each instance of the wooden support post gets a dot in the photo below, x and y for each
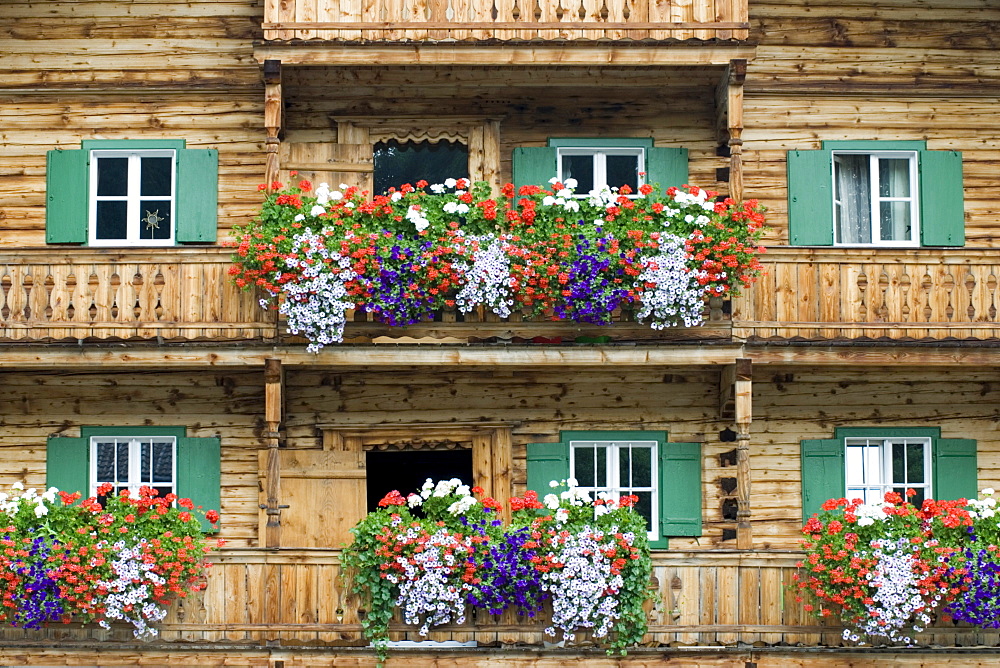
(503, 463)
(744, 398)
(273, 104)
(729, 121)
(273, 385)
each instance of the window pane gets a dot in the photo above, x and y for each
(589, 467)
(155, 219)
(163, 461)
(155, 177)
(852, 186)
(623, 170)
(581, 168)
(645, 508)
(112, 177)
(397, 163)
(915, 463)
(121, 471)
(895, 221)
(111, 220)
(898, 462)
(635, 466)
(894, 177)
(105, 462)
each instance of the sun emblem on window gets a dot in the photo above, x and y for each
(152, 219)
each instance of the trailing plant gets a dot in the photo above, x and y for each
(543, 251)
(123, 559)
(887, 569)
(434, 552)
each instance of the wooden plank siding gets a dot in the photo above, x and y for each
(460, 20)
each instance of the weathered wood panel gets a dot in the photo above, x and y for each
(896, 294)
(130, 294)
(460, 20)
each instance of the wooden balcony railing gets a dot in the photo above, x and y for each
(859, 293)
(295, 597)
(170, 294)
(505, 20)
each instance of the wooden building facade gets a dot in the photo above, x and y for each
(888, 336)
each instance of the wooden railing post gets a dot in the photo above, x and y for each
(272, 118)
(744, 400)
(729, 122)
(273, 385)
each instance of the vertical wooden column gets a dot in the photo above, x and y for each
(744, 399)
(273, 385)
(272, 118)
(503, 464)
(729, 123)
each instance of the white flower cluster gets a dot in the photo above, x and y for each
(584, 590)
(700, 199)
(443, 488)
(897, 599)
(419, 220)
(129, 596)
(675, 296)
(10, 504)
(488, 280)
(425, 595)
(315, 305)
(573, 495)
(324, 195)
(984, 508)
(870, 513)
(564, 197)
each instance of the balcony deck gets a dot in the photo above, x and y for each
(435, 21)
(258, 598)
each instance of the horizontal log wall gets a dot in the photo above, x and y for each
(892, 69)
(103, 70)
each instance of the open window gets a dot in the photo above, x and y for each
(398, 162)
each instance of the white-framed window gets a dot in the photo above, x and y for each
(619, 468)
(875, 198)
(132, 200)
(600, 168)
(130, 462)
(875, 466)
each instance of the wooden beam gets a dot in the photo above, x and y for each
(273, 111)
(743, 385)
(555, 54)
(273, 409)
(330, 167)
(503, 25)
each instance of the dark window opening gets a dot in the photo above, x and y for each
(399, 162)
(405, 472)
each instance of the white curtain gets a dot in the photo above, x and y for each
(852, 180)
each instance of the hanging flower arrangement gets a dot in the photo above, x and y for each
(888, 569)
(435, 553)
(543, 251)
(124, 560)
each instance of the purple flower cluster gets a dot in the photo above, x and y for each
(980, 605)
(593, 295)
(507, 576)
(40, 603)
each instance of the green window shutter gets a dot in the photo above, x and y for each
(198, 473)
(197, 195)
(810, 198)
(823, 473)
(942, 207)
(534, 166)
(67, 177)
(680, 489)
(67, 465)
(956, 472)
(666, 167)
(547, 462)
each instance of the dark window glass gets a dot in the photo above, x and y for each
(406, 471)
(623, 170)
(155, 219)
(111, 220)
(112, 177)
(398, 162)
(581, 168)
(155, 177)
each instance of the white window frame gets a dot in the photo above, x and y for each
(132, 197)
(884, 467)
(877, 199)
(612, 474)
(134, 463)
(599, 156)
